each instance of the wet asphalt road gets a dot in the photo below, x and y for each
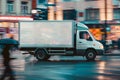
(66, 68)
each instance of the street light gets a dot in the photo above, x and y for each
(34, 11)
(105, 25)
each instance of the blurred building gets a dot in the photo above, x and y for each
(52, 7)
(94, 13)
(91, 12)
(39, 10)
(12, 11)
(55, 8)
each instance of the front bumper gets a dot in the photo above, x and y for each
(100, 52)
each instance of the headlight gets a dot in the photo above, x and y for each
(101, 47)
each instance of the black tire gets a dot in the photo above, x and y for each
(90, 55)
(40, 54)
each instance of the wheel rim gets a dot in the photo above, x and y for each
(40, 55)
(91, 55)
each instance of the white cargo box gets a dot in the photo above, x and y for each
(46, 34)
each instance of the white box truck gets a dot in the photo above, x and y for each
(67, 38)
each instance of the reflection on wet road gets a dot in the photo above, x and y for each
(67, 68)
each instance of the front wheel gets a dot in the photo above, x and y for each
(90, 55)
(40, 54)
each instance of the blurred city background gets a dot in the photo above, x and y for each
(101, 16)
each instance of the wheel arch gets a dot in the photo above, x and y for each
(41, 49)
(90, 49)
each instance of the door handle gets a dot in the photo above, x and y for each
(80, 42)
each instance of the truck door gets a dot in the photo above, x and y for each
(84, 40)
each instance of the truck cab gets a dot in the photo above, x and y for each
(86, 45)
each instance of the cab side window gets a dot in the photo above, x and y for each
(85, 35)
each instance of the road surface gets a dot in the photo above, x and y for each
(27, 67)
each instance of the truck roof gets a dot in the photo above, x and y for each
(82, 26)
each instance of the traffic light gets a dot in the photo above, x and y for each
(108, 29)
(41, 14)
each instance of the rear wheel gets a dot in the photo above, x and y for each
(90, 55)
(40, 54)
